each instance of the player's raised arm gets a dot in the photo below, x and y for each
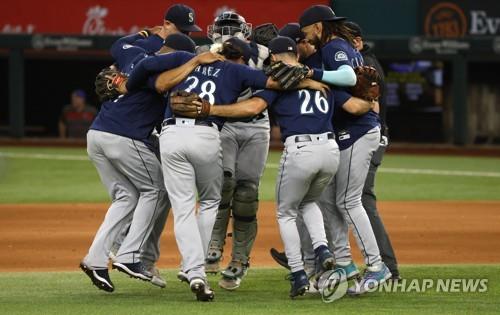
(168, 79)
(151, 66)
(128, 47)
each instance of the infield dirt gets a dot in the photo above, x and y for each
(55, 237)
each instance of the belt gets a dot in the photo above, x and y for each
(308, 138)
(187, 121)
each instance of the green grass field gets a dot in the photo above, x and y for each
(264, 291)
(72, 178)
(47, 175)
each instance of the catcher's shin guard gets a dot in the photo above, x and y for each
(245, 204)
(219, 231)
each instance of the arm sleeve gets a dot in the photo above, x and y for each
(154, 65)
(344, 76)
(340, 97)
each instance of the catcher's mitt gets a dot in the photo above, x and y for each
(183, 104)
(367, 83)
(107, 83)
(287, 76)
(264, 33)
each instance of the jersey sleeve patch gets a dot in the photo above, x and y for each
(341, 56)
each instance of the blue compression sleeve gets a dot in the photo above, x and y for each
(343, 76)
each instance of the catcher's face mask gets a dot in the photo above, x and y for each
(227, 25)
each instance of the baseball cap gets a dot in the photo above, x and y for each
(354, 28)
(183, 17)
(180, 42)
(292, 30)
(282, 44)
(80, 93)
(318, 13)
(242, 46)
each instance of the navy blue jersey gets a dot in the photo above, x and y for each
(314, 61)
(134, 45)
(134, 114)
(339, 52)
(300, 111)
(336, 53)
(221, 83)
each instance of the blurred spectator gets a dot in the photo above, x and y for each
(76, 117)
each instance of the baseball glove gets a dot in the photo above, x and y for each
(367, 83)
(287, 76)
(183, 104)
(264, 33)
(107, 83)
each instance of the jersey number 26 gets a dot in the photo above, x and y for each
(307, 106)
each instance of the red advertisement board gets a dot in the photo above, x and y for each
(93, 17)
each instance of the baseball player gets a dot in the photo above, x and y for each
(190, 148)
(312, 58)
(309, 56)
(129, 167)
(179, 20)
(368, 198)
(309, 160)
(358, 138)
(245, 145)
(123, 154)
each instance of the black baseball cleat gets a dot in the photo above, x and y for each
(200, 287)
(100, 277)
(280, 258)
(324, 257)
(135, 270)
(299, 283)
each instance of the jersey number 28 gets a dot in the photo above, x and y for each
(207, 88)
(319, 101)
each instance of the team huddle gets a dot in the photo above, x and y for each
(187, 128)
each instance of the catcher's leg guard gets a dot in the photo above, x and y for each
(219, 231)
(245, 204)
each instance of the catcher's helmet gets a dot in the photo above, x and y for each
(229, 24)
